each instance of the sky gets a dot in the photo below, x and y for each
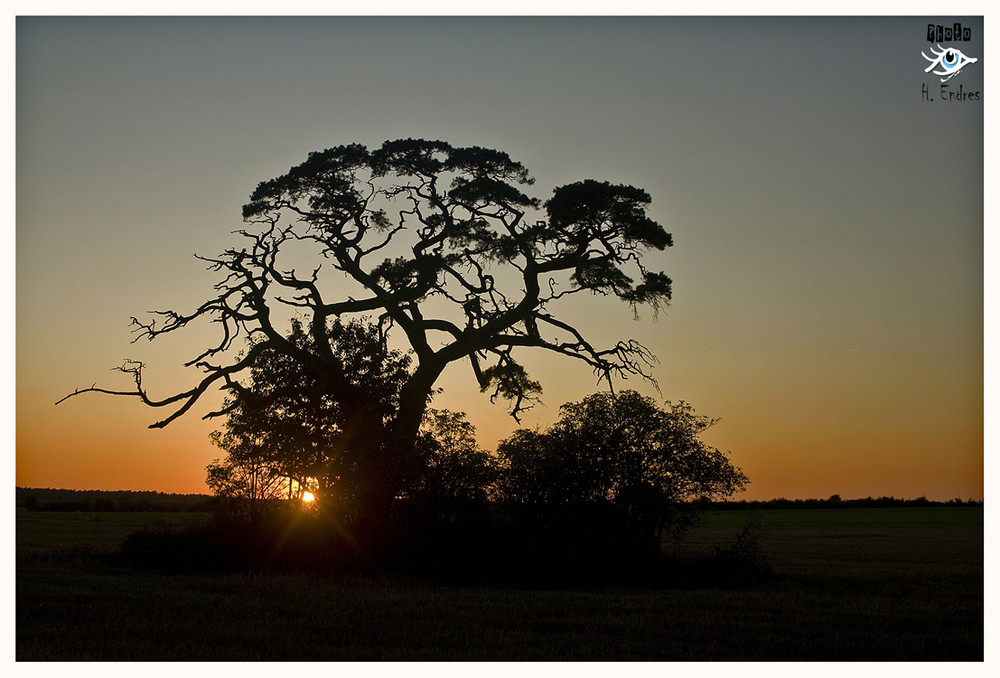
(826, 203)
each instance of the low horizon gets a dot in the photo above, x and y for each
(734, 499)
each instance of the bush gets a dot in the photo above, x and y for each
(622, 449)
(745, 562)
(281, 542)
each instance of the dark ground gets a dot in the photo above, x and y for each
(849, 585)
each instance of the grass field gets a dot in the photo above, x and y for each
(850, 584)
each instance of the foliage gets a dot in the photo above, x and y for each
(244, 484)
(457, 470)
(288, 433)
(287, 424)
(622, 450)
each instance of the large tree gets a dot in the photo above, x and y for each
(438, 242)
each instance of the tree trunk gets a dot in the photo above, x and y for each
(392, 465)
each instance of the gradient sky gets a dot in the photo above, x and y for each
(828, 222)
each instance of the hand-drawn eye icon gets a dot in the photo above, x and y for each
(950, 60)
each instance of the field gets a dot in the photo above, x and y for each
(849, 584)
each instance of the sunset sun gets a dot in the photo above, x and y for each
(308, 497)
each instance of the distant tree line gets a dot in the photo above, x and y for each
(48, 499)
(835, 501)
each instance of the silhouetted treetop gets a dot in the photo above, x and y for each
(623, 449)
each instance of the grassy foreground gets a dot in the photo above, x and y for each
(850, 584)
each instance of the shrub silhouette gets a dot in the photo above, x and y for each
(641, 464)
(281, 541)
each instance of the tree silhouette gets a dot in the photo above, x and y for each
(285, 421)
(457, 472)
(625, 451)
(437, 242)
(246, 479)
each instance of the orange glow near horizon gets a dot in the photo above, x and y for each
(828, 285)
(800, 449)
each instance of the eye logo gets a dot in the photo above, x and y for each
(949, 60)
